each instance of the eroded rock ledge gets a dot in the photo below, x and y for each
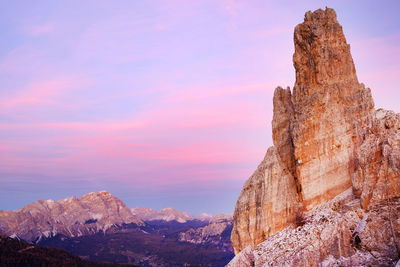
(327, 138)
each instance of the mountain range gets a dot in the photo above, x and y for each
(100, 227)
(167, 214)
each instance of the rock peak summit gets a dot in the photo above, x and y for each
(327, 99)
(322, 55)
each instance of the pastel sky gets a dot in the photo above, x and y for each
(161, 103)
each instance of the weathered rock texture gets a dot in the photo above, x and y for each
(377, 161)
(336, 233)
(327, 138)
(327, 100)
(267, 203)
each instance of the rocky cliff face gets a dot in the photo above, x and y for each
(327, 138)
(377, 158)
(327, 100)
(71, 217)
(262, 208)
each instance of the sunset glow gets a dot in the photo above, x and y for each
(161, 103)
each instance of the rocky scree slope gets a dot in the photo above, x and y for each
(327, 138)
(337, 233)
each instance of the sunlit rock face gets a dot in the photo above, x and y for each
(167, 214)
(327, 138)
(327, 100)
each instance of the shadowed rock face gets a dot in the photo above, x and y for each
(267, 203)
(327, 138)
(377, 159)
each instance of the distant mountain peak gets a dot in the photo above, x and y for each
(91, 213)
(168, 209)
(98, 194)
(99, 225)
(166, 214)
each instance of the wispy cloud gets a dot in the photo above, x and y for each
(47, 92)
(40, 29)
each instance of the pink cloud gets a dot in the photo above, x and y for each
(40, 29)
(215, 91)
(23, 58)
(92, 152)
(230, 7)
(44, 92)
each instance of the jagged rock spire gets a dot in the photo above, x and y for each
(327, 101)
(322, 56)
(312, 160)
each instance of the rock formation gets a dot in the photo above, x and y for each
(267, 203)
(377, 160)
(217, 232)
(336, 233)
(71, 217)
(327, 138)
(327, 100)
